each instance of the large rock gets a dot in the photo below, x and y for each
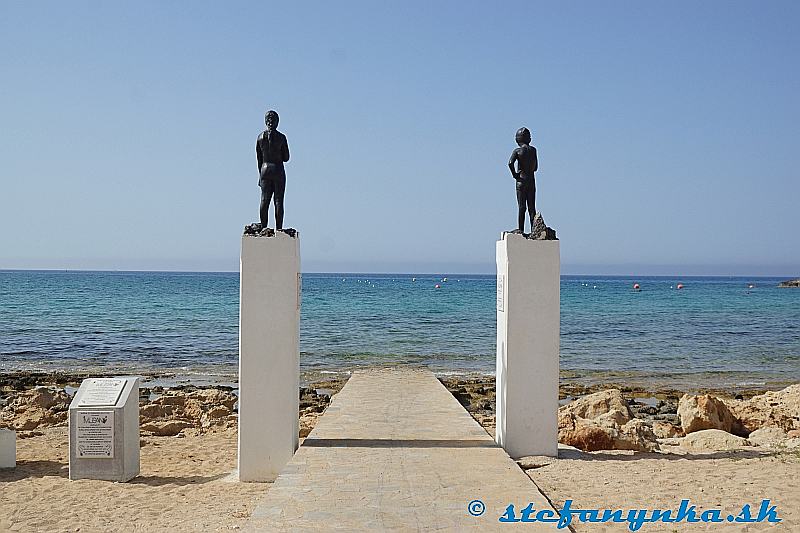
(706, 412)
(35, 408)
(712, 440)
(201, 408)
(166, 428)
(603, 433)
(769, 437)
(790, 283)
(772, 409)
(665, 430)
(600, 403)
(603, 421)
(583, 434)
(635, 435)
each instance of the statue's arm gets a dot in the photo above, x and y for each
(285, 150)
(258, 155)
(535, 160)
(511, 162)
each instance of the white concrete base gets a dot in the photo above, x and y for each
(269, 355)
(87, 439)
(8, 448)
(528, 330)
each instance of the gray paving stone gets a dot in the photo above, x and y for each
(396, 452)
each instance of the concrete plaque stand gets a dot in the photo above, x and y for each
(104, 430)
(528, 322)
(269, 355)
(8, 448)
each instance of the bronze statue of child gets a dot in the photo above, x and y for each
(526, 164)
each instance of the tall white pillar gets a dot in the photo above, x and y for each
(528, 322)
(269, 354)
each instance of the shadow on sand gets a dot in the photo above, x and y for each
(27, 469)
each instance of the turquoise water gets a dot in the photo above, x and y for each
(713, 332)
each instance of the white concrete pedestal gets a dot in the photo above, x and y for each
(8, 448)
(104, 430)
(528, 322)
(269, 355)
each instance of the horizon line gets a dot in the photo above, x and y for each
(354, 273)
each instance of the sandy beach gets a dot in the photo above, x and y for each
(187, 480)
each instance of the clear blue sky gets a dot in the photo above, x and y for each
(667, 132)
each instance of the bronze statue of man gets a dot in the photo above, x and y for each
(272, 151)
(526, 164)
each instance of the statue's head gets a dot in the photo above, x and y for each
(523, 136)
(271, 120)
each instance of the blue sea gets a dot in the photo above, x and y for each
(715, 332)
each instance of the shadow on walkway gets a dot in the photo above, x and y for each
(397, 443)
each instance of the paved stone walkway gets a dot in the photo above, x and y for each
(396, 451)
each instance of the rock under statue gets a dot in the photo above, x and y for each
(272, 151)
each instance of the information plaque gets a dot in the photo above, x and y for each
(101, 392)
(94, 434)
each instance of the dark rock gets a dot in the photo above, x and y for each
(252, 229)
(540, 231)
(790, 283)
(257, 230)
(463, 398)
(645, 410)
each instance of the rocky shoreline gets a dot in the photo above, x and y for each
(591, 418)
(600, 418)
(31, 401)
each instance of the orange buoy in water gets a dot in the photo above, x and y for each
(636, 286)
(679, 286)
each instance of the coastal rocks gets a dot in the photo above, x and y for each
(779, 409)
(790, 283)
(177, 410)
(166, 428)
(603, 421)
(475, 394)
(636, 435)
(706, 412)
(608, 402)
(665, 430)
(712, 440)
(35, 408)
(768, 437)
(603, 433)
(312, 404)
(583, 434)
